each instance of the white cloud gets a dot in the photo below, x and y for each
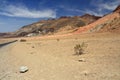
(89, 11)
(94, 12)
(75, 10)
(102, 7)
(71, 9)
(109, 5)
(22, 11)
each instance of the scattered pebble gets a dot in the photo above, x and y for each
(32, 52)
(85, 73)
(33, 47)
(82, 60)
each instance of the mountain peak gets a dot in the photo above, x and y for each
(89, 16)
(117, 9)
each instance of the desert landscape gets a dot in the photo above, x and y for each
(89, 51)
(51, 58)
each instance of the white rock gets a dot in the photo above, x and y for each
(23, 69)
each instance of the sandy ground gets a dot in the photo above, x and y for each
(53, 59)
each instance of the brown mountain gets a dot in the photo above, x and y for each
(51, 26)
(108, 23)
(90, 18)
(78, 24)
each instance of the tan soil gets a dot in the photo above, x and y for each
(51, 58)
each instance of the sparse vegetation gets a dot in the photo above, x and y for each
(33, 47)
(79, 48)
(22, 40)
(76, 38)
(58, 39)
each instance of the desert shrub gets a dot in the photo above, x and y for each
(58, 39)
(79, 48)
(22, 40)
(76, 38)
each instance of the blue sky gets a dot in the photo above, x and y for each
(17, 13)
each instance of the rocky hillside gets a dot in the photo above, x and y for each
(52, 26)
(108, 23)
(111, 25)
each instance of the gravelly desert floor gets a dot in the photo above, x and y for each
(53, 59)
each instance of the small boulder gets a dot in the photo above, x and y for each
(23, 69)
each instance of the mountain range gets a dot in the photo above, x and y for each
(66, 24)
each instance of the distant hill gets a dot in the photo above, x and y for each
(7, 35)
(52, 26)
(90, 18)
(2, 34)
